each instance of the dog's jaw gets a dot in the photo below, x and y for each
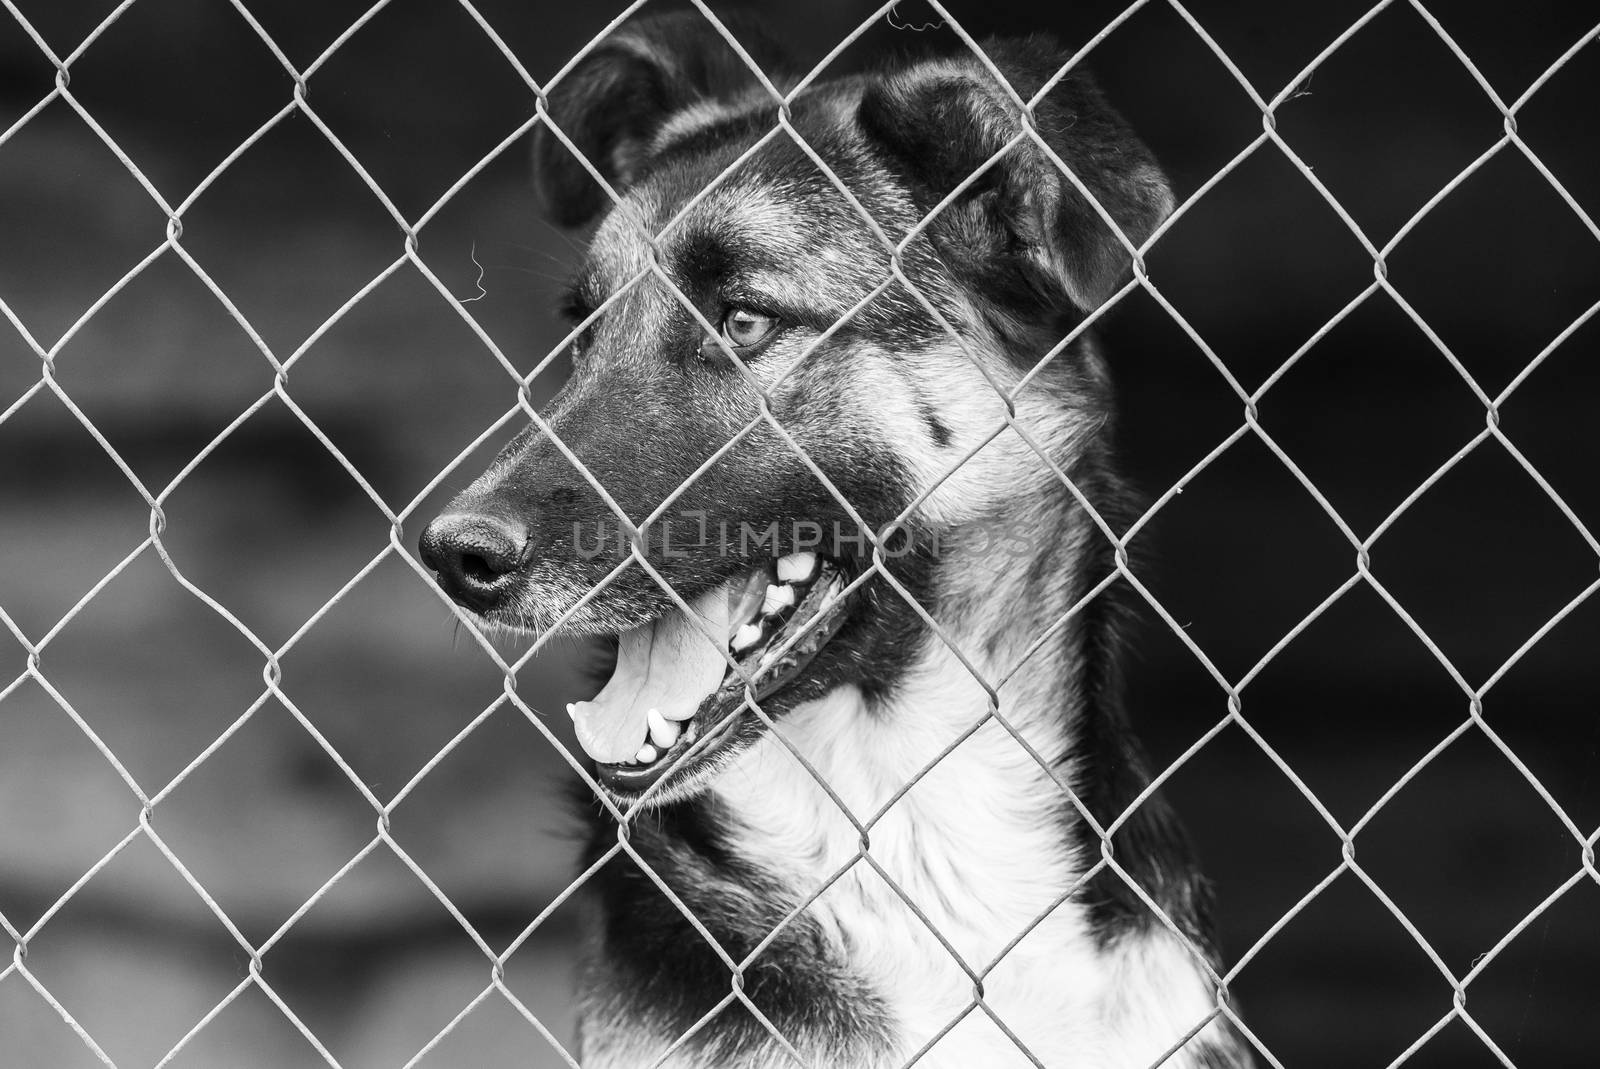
(774, 630)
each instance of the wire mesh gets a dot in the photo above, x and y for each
(403, 520)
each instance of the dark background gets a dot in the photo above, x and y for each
(272, 527)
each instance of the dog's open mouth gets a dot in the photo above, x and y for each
(669, 705)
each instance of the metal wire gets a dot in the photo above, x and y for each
(398, 516)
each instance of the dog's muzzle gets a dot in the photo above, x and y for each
(672, 704)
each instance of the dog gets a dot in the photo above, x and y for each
(815, 478)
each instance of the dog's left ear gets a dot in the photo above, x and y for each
(940, 120)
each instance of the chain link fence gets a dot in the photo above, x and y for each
(521, 388)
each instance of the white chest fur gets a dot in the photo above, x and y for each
(968, 861)
(964, 861)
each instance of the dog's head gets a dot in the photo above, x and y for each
(771, 371)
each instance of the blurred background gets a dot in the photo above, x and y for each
(272, 527)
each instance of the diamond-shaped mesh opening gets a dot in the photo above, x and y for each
(1521, 998)
(402, 1024)
(1363, 731)
(1270, 828)
(494, 1031)
(65, 806)
(260, 772)
(19, 369)
(250, 1021)
(1366, 450)
(76, 221)
(84, 516)
(1456, 1044)
(1527, 269)
(1176, 409)
(1446, 121)
(544, 40)
(1234, 599)
(206, 62)
(1269, 49)
(498, 258)
(35, 1027)
(541, 961)
(1557, 448)
(1192, 107)
(404, 314)
(1258, 312)
(1517, 852)
(303, 36)
(1539, 710)
(62, 26)
(391, 93)
(1513, 52)
(161, 928)
(420, 956)
(1555, 561)
(1546, 125)
(163, 342)
(503, 763)
(330, 667)
(300, 495)
(303, 818)
(198, 674)
(1343, 933)
(302, 204)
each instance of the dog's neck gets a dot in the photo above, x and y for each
(978, 841)
(967, 833)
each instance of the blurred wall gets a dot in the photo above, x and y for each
(272, 527)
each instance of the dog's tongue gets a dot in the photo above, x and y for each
(668, 665)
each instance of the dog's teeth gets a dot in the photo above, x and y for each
(572, 710)
(778, 598)
(796, 567)
(663, 732)
(746, 637)
(646, 754)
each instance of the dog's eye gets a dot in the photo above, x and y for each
(743, 328)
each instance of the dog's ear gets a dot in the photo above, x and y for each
(1023, 220)
(618, 97)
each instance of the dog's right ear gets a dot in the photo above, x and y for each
(1021, 226)
(618, 97)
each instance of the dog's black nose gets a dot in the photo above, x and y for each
(475, 555)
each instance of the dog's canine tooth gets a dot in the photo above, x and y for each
(747, 603)
(572, 710)
(778, 598)
(746, 637)
(680, 715)
(646, 754)
(797, 567)
(663, 732)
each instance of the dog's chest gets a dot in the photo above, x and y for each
(958, 891)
